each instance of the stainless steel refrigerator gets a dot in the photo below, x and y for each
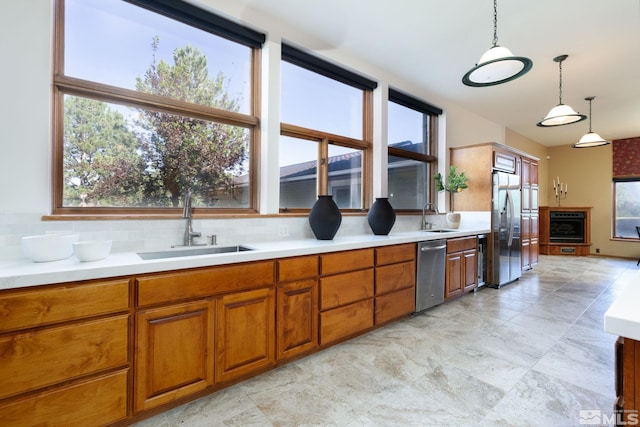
(505, 229)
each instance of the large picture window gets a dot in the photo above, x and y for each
(626, 187)
(412, 149)
(153, 100)
(626, 207)
(325, 141)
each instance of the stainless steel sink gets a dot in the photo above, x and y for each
(182, 252)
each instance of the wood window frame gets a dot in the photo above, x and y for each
(433, 114)
(65, 85)
(313, 64)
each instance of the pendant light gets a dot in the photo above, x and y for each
(590, 139)
(497, 65)
(561, 114)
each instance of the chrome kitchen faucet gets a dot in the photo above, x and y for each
(189, 234)
(424, 225)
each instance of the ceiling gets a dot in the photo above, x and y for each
(434, 43)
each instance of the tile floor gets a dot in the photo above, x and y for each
(531, 353)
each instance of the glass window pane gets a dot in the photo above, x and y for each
(345, 176)
(119, 44)
(118, 156)
(317, 102)
(407, 183)
(627, 209)
(298, 172)
(407, 129)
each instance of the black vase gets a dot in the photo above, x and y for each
(381, 216)
(325, 218)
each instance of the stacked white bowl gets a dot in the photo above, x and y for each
(49, 247)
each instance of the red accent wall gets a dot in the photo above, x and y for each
(626, 157)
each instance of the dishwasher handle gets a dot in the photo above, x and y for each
(431, 248)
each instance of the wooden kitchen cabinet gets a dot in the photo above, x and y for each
(395, 282)
(297, 306)
(199, 327)
(627, 380)
(478, 162)
(245, 333)
(461, 266)
(65, 357)
(111, 352)
(346, 294)
(173, 358)
(529, 227)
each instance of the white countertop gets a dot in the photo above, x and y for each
(623, 317)
(21, 273)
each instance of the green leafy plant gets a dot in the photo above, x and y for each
(455, 183)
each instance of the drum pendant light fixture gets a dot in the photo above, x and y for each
(497, 65)
(590, 139)
(561, 114)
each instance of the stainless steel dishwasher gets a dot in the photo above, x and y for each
(430, 274)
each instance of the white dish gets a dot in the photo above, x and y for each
(92, 250)
(48, 247)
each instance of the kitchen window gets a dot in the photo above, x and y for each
(153, 99)
(626, 208)
(325, 140)
(412, 150)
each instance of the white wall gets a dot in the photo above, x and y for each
(26, 29)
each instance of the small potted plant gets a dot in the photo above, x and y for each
(455, 183)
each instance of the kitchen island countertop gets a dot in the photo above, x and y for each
(623, 316)
(20, 273)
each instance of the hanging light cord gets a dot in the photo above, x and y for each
(495, 23)
(590, 114)
(560, 88)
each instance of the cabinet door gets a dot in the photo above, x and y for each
(505, 161)
(534, 250)
(470, 258)
(453, 275)
(245, 333)
(174, 347)
(297, 318)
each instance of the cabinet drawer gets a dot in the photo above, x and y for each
(345, 288)
(345, 321)
(340, 262)
(396, 253)
(395, 305)
(96, 402)
(35, 307)
(32, 360)
(159, 288)
(396, 276)
(297, 268)
(461, 244)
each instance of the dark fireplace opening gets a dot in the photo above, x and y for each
(566, 227)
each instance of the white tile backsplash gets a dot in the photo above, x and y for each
(136, 235)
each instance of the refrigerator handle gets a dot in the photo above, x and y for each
(510, 217)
